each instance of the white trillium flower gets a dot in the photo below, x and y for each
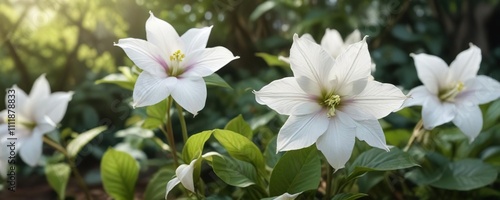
(173, 65)
(184, 175)
(287, 196)
(330, 102)
(453, 93)
(36, 115)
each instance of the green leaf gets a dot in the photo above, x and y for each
(119, 173)
(156, 186)
(117, 79)
(155, 115)
(346, 196)
(270, 153)
(295, 172)
(380, 160)
(273, 60)
(239, 125)
(216, 80)
(466, 175)
(57, 176)
(261, 9)
(194, 146)
(240, 147)
(82, 139)
(234, 172)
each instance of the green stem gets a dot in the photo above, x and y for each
(329, 179)
(180, 111)
(415, 134)
(170, 133)
(71, 163)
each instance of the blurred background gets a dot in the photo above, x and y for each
(71, 41)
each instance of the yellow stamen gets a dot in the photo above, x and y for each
(176, 59)
(450, 94)
(330, 102)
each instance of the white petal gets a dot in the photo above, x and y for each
(185, 174)
(332, 42)
(354, 37)
(417, 96)
(30, 149)
(301, 131)
(163, 35)
(287, 196)
(432, 71)
(145, 55)
(54, 107)
(191, 94)
(22, 101)
(195, 39)
(466, 64)
(171, 184)
(308, 36)
(205, 62)
(352, 65)
(435, 112)
(39, 91)
(287, 98)
(469, 120)
(338, 141)
(150, 89)
(310, 60)
(377, 100)
(479, 90)
(371, 132)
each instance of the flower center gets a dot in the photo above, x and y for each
(26, 123)
(330, 102)
(176, 59)
(450, 94)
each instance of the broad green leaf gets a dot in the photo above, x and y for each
(273, 60)
(492, 114)
(117, 79)
(82, 139)
(380, 160)
(347, 196)
(156, 186)
(491, 155)
(270, 153)
(466, 175)
(194, 146)
(58, 176)
(261, 9)
(155, 115)
(240, 147)
(239, 125)
(216, 80)
(119, 173)
(432, 169)
(234, 172)
(296, 171)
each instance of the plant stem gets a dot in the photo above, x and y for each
(180, 112)
(71, 163)
(170, 132)
(415, 134)
(329, 179)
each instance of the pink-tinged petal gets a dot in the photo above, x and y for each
(417, 96)
(145, 55)
(171, 184)
(191, 94)
(54, 107)
(352, 65)
(432, 71)
(469, 120)
(371, 132)
(205, 62)
(332, 42)
(466, 64)
(185, 174)
(435, 112)
(352, 38)
(479, 90)
(338, 141)
(287, 98)
(150, 89)
(163, 35)
(195, 39)
(30, 149)
(377, 100)
(310, 60)
(301, 131)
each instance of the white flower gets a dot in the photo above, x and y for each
(330, 102)
(332, 41)
(35, 115)
(173, 65)
(184, 175)
(453, 93)
(287, 196)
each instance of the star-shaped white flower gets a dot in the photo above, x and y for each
(330, 102)
(453, 93)
(36, 114)
(173, 65)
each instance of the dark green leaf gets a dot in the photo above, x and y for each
(156, 186)
(234, 172)
(466, 175)
(155, 115)
(239, 125)
(380, 160)
(57, 176)
(216, 80)
(119, 173)
(270, 153)
(194, 146)
(346, 196)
